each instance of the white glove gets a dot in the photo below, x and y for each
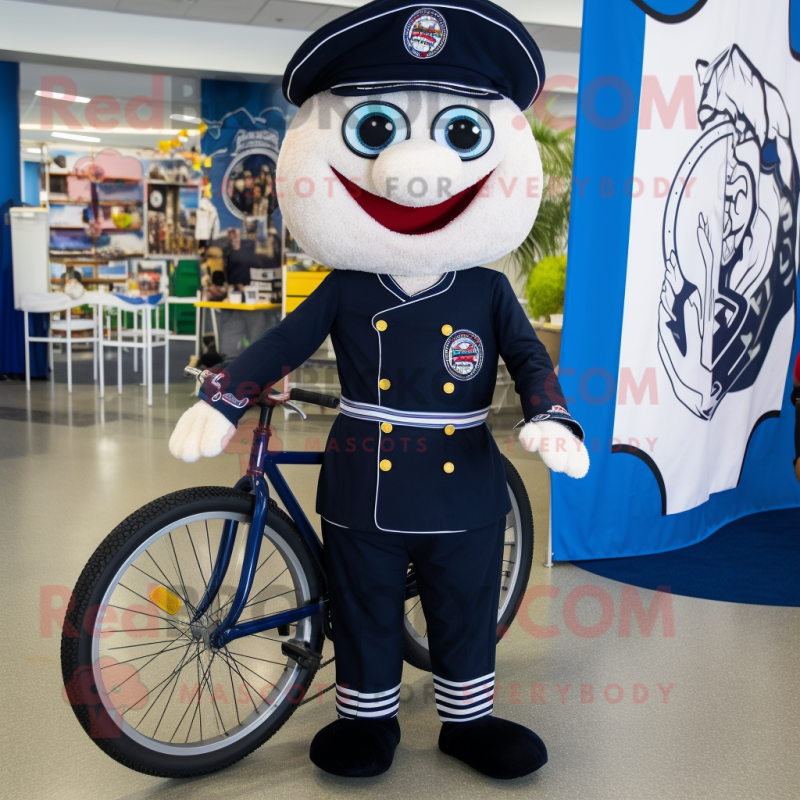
(201, 431)
(559, 448)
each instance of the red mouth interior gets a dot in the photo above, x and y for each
(406, 219)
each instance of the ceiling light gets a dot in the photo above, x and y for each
(71, 98)
(25, 126)
(74, 136)
(184, 118)
(36, 150)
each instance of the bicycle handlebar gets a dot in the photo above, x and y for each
(315, 398)
(299, 395)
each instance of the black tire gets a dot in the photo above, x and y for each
(111, 560)
(515, 579)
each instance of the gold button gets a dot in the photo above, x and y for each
(447, 329)
(448, 467)
(386, 465)
(449, 388)
(381, 325)
(386, 427)
(385, 384)
(449, 430)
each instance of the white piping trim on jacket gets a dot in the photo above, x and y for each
(416, 294)
(416, 5)
(331, 522)
(403, 304)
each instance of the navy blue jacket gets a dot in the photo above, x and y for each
(433, 356)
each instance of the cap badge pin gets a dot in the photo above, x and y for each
(425, 33)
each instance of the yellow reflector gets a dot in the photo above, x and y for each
(166, 600)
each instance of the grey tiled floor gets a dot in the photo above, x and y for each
(72, 467)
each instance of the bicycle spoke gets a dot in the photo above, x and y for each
(175, 675)
(213, 699)
(271, 639)
(154, 616)
(188, 706)
(191, 541)
(138, 644)
(260, 677)
(231, 599)
(233, 694)
(253, 599)
(199, 696)
(255, 658)
(166, 579)
(146, 655)
(148, 691)
(156, 581)
(180, 573)
(177, 672)
(270, 599)
(239, 673)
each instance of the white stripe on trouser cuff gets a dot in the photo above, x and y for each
(464, 701)
(415, 419)
(351, 704)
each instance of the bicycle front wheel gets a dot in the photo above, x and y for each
(141, 673)
(515, 571)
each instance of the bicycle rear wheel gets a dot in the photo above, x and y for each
(516, 569)
(143, 678)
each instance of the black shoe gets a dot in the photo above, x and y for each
(356, 748)
(496, 747)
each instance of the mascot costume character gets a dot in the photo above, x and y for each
(408, 163)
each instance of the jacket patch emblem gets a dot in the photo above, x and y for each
(463, 355)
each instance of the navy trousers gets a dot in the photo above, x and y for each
(458, 575)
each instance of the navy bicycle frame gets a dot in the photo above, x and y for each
(262, 463)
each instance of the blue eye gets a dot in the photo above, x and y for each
(465, 130)
(370, 128)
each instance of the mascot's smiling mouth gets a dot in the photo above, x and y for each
(408, 219)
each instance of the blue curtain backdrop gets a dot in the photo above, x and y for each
(12, 332)
(12, 353)
(617, 510)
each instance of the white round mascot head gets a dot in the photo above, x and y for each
(410, 154)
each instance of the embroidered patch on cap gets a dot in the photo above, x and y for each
(425, 33)
(463, 355)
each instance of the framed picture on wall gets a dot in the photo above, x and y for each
(114, 269)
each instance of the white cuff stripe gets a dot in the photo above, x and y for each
(367, 695)
(462, 711)
(450, 703)
(361, 704)
(486, 687)
(458, 684)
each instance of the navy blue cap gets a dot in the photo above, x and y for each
(471, 48)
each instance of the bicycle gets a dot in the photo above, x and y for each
(219, 666)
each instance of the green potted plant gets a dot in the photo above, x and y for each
(548, 237)
(540, 258)
(544, 288)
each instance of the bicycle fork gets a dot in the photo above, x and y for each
(229, 629)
